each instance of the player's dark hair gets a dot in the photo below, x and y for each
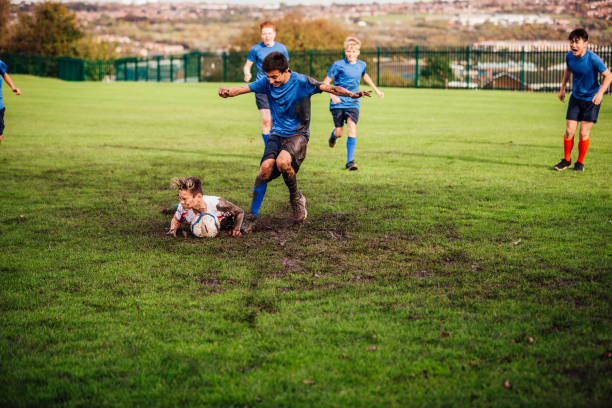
(579, 33)
(192, 184)
(275, 61)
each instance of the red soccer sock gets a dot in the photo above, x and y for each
(583, 146)
(568, 144)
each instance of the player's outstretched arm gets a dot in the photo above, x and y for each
(233, 91)
(238, 213)
(603, 88)
(8, 80)
(340, 91)
(566, 76)
(369, 81)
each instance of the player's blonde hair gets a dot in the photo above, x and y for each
(191, 184)
(352, 42)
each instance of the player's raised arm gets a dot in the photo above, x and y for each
(237, 212)
(340, 91)
(233, 91)
(369, 81)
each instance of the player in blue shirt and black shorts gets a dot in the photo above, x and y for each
(9, 81)
(347, 73)
(289, 98)
(585, 101)
(257, 54)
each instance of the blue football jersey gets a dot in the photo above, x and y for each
(585, 71)
(289, 103)
(348, 76)
(259, 52)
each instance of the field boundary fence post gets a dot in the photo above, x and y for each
(522, 68)
(199, 66)
(158, 58)
(467, 67)
(172, 68)
(416, 67)
(136, 69)
(310, 54)
(100, 70)
(185, 67)
(224, 55)
(377, 66)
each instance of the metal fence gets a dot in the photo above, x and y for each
(460, 68)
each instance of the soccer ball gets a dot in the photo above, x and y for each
(205, 225)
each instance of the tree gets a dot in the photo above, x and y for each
(51, 30)
(437, 71)
(297, 34)
(5, 12)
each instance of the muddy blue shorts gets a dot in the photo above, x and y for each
(294, 145)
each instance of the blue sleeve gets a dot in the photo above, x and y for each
(312, 85)
(3, 67)
(286, 52)
(252, 54)
(598, 63)
(365, 66)
(332, 71)
(259, 86)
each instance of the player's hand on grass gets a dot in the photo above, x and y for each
(562, 95)
(171, 232)
(17, 91)
(335, 99)
(235, 233)
(597, 98)
(224, 92)
(359, 94)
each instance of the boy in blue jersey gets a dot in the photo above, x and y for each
(347, 73)
(257, 54)
(586, 97)
(289, 97)
(9, 81)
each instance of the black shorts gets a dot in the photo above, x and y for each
(261, 100)
(582, 111)
(341, 115)
(2, 120)
(294, 145)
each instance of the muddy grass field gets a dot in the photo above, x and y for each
(455, 267)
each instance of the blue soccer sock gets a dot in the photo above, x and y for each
(259, 192)
(350, 148)
(265, 137)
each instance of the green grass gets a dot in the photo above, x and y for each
(100, 308)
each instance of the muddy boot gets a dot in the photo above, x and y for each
(298, 204)
(248, 223)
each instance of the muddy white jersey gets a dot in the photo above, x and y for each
(211, 207)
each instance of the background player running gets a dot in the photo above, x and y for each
(585, 101)
(347, 73)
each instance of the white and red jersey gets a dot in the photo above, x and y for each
(211, 208)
